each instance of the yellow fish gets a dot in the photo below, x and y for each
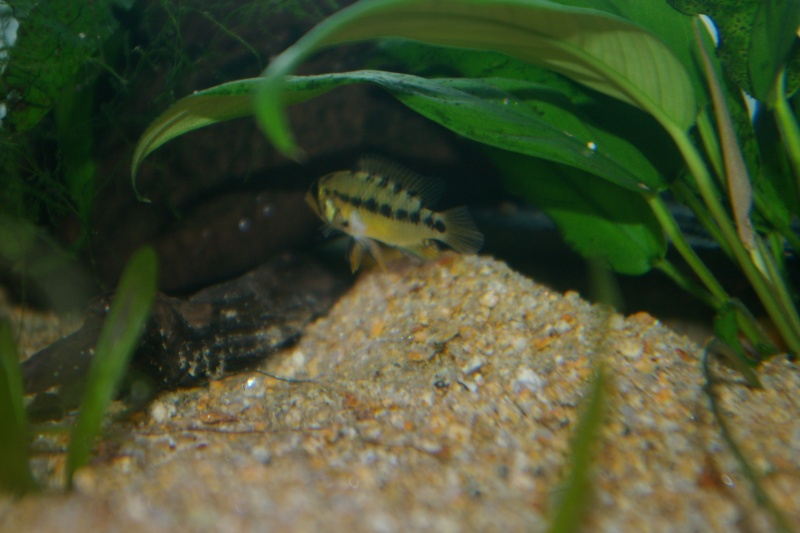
(381, 201)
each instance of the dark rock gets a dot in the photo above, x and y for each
(222, 328)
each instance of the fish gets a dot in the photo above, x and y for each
(380, 201)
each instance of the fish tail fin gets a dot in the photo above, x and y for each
(461, 234)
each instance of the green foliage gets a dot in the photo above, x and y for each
(55, 41)
(118, 339)
(115, 346)
(15, 474)
(577, 42)
(757, 40)
(600, 220)
(726, 331)
(525, 76)
(523, 116)
(573, 502)
(51, 68)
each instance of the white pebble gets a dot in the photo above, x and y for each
(160, 412)
(527, 379)
(489, 299)
(473, 365)
(630, 348)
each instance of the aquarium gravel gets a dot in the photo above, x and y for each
(440, 396)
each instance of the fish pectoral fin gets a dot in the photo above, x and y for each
(375, 251)
(461, 235)
(355, 252)
(357, 249)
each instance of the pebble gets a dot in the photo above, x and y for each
(473, 365)
(527, 379)
(630, 348)
(160, 411)
(490, 299)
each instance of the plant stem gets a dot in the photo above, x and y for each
(687, 284)
(710, 142)
(786, 320)
(774, 272)
(717, 295)
(790, 132)
(687, 196)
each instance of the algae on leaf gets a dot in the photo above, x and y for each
(54, 41)
(754, 38)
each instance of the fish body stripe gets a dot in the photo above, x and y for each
(425, 216)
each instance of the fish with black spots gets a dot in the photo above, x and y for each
(380, 201)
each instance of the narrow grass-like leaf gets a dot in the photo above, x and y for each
(573, 502)
(15, 472)
(740, 189)
(599, 219)
(129, 312)
(216, 104)
(790, 138)
(599, 50)
(511, 114)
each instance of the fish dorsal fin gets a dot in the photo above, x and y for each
(429, 190)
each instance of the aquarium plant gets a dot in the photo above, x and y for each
(586, 106)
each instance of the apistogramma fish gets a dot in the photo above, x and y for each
(381, 201)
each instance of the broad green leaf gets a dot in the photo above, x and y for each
(596, 49)
(118, 339)
(774, 32)
(429, 61)
(15, 473)
(600, 220)
(598, 111)
(670, 25)
(526, 118)
(509, 114)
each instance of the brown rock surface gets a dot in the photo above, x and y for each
(443, 398)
